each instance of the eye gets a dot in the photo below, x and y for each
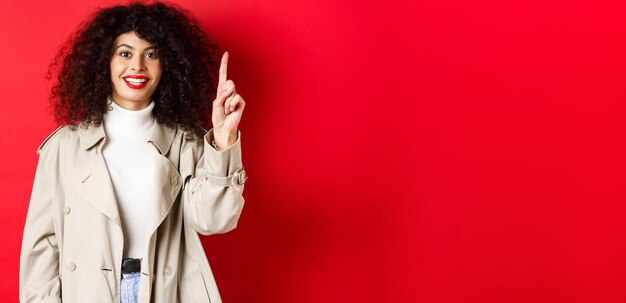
(124, 52)
(153, 55)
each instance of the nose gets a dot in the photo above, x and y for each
(137, 64)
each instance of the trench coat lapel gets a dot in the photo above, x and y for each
(167, 186)
(93, 181)
(168, 181)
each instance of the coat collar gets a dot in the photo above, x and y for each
(161, 137)
(93, 183)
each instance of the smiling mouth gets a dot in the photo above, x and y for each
(136, 83)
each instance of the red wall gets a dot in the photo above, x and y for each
(433, 151)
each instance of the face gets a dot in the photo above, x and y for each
(135, 71)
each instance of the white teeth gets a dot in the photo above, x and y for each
(136, 80)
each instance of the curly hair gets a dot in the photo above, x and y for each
(188, 57)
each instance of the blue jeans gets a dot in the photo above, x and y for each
(129, 287)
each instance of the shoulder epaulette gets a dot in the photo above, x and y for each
(48, 138)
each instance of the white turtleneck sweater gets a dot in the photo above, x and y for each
(129, 159)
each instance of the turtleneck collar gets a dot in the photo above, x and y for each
(119, 121)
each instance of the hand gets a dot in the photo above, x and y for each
(227, 109)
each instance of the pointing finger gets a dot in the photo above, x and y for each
(223, 71)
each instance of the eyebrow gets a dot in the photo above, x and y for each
(147, 48)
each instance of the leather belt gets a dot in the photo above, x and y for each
(130, 265)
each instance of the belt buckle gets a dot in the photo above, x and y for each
(130, 265)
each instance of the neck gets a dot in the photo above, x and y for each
(129, 105)
(128, 123)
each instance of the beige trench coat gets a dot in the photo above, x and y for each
(73, 239)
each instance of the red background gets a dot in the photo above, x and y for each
(432, 151)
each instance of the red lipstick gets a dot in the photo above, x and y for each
(136, 81)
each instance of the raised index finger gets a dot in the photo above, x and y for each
(223, 68)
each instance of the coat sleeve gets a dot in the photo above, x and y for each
(39, 257)
(213, 193)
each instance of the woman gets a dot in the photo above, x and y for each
(125, 185)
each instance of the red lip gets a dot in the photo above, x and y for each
(134, 86)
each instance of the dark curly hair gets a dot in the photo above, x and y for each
(188, 57)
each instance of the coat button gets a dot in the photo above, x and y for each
(66, 209)
(168, 270)
(71, 266)
(174, 181)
